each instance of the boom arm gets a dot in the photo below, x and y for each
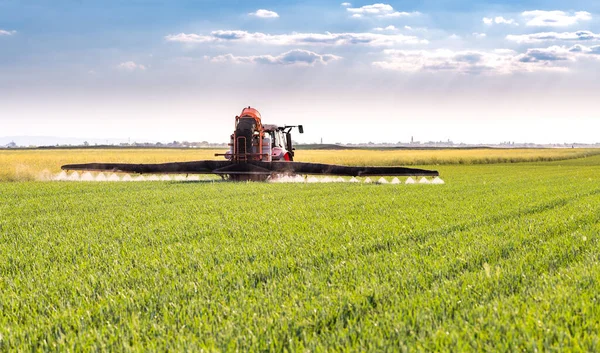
(249, 168)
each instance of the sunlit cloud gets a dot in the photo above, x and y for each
(539, 18)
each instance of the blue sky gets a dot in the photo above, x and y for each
(467, 71)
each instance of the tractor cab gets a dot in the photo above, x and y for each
(281, 141)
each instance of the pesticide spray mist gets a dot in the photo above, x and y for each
(113, 177)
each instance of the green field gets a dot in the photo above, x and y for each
(503, 257)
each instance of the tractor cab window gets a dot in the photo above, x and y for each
(272, 137)
(278, 141)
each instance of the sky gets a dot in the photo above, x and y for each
(360, 71)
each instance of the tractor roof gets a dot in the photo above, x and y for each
(270, 127)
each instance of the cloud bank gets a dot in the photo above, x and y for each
(539, 18)
(323, 39)
(501, 61)
(553, 36)
(297, 57)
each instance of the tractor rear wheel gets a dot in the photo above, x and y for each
(245, 128)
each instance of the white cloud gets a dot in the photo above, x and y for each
(190, 38)
(378, 10)
(293, 57)
(131, 66)
(401, 14)
(294, 39)
(7, 33)
(346, 4)
(416, 29)
(375, 9)
(546, 55)
(559, 54)
(479, 35)
(499, 20)
(499, 61)
(388, 28)
(539, 18)
(553, 36)
(454, 36)
(578, 48)
(262, 13)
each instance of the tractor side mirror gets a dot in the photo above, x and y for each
(301, 129)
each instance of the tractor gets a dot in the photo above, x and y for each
(257, 152)
(254, 141)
